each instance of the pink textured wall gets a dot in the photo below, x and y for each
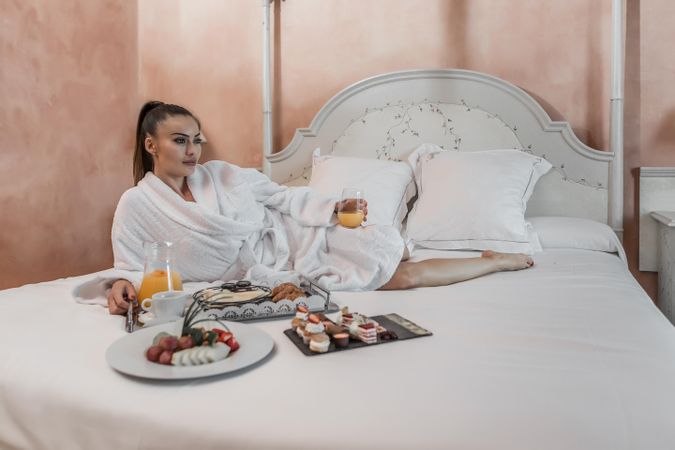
(556, 50)
(207, 56)
(68, 90)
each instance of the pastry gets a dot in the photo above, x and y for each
(367, 333)
(314, 325)
(341, 340)
(347, 319)
(300, 330)
(302, 312)
(319, 343)
(286, 291)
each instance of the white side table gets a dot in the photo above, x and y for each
(666, 251)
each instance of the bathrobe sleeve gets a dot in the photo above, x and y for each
(307, 206)
(127, 244)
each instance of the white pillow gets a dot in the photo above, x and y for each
(474, 200)
(388, 185)
(578, 233)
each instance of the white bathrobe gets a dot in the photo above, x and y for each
(244, 226)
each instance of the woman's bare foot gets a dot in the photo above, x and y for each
(509, 261)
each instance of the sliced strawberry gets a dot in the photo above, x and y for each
(219, 331)
(224, 336)
(233, 344)
(314, 318)
(302, 309)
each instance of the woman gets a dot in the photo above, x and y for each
(232, 223)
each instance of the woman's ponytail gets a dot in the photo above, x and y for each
(143, 160)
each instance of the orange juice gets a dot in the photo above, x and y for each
(350, 219)
(158, 281)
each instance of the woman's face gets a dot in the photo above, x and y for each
(176, 146)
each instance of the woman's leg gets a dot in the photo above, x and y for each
(440, 272)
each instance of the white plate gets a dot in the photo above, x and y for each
(127, 354)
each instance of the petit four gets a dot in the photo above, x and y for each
(314, 325)
(367, 333)
(301, 312)
(341, 339)
(319, 343)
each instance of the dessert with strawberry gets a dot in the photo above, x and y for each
(301, 312)
(314, 324)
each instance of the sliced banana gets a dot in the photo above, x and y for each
(181, 358)
(193, 356)
(186, 360)
(200, 355)
(176, 357)
(218, 351)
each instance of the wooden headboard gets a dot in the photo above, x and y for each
(388, 116)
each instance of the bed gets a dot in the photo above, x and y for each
(568, 354)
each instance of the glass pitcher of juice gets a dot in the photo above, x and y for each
(159, 274)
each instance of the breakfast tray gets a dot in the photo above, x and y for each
(317, 299)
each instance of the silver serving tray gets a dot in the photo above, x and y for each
(317, 300)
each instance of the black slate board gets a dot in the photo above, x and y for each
(403, 328)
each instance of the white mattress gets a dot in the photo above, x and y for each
(571, 354)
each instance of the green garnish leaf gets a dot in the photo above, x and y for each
(197, 336)
(212, 336)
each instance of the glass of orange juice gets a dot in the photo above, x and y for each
(159, 274)
(351, 207)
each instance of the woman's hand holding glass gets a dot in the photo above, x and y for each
(352, 209)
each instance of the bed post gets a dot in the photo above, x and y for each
(267, 89)
(615, 210)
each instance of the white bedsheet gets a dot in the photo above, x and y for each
(570, 354)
